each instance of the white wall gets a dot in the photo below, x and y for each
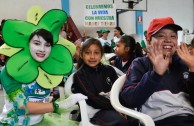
(180, 10)
(17, 9)
(127, 22)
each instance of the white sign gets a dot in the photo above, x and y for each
(100, 15)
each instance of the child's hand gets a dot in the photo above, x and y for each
(186, 56)
(159, 60)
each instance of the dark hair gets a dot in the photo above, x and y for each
(135, 48)
(46, 35)
(165, 27)
(192, 42)
(85, 46)
(2, 23)
(120, 30)
(171, 27)
(107, 49)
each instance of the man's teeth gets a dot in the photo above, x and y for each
(167, 47)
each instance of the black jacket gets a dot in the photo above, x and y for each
(118, 64)
(91, 81)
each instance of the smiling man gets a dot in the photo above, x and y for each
(157, 84)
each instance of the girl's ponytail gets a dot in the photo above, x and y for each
(138, 50)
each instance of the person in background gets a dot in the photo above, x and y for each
(143, 44)
(1, 38)
(161, 83)
(63, 32)
(126, 51)
(3, 59)
(106, 43)
(95, 80)
(99, 33)
(78, 48)
(104, 39)
(191, 46)
(118, 33)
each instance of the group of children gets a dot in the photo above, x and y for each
(121, 50)
(160, 84)
(154, 84)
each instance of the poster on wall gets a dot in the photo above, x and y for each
(100, 15)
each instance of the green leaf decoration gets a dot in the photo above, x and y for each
(21, 66)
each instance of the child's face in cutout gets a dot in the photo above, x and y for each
(120, 49)
(39, 48)
(92, 56)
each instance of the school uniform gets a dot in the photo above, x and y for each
(90, 82)
(167, 99)
(122, 65)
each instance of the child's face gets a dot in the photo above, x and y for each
(39, 48)
(120, 49)
(167, 40)
(92, 56)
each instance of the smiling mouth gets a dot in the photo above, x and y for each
(92, 61)
(40, 55)
(167, 47)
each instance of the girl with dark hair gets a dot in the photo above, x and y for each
(126, 50)
(119, 30)
(95, 80)
(118, 33)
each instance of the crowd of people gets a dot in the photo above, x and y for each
(159, 74)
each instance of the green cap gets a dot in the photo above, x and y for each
(143, 45)
(145, 33)
(104, 30)
(99, 31)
